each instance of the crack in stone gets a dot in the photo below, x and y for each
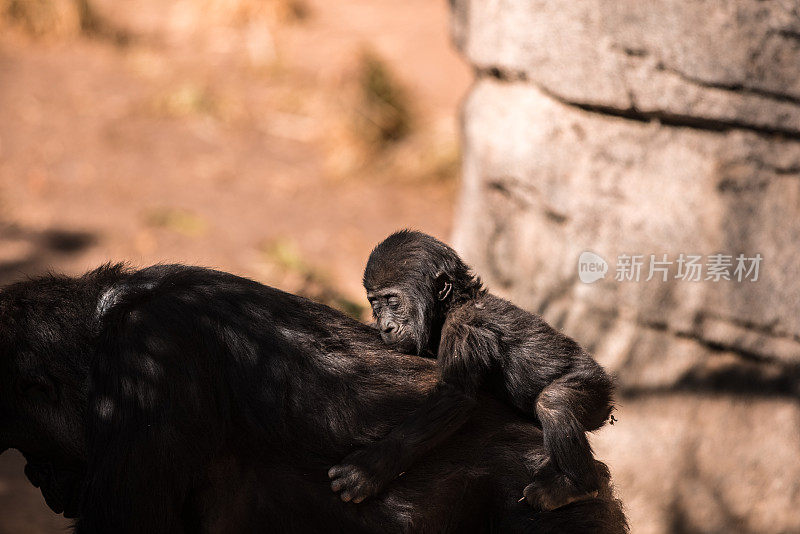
(632, 113)
(787, 33)
(784, 171)
(520, 193)
(738, 88)
(729, 185)
(766, 329)
(716, 346)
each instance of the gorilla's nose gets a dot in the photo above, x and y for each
(389, 327)
(389, 331)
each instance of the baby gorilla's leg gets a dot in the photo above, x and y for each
(566, 408)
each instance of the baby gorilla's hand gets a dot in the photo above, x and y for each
(552, 489)
(359, 476)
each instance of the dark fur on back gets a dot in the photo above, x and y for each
(177, 399)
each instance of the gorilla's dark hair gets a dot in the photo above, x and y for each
(409, 251)
(414, 261)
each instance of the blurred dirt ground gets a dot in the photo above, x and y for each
(277, 139)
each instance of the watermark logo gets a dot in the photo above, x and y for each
(591, 267)
(662, 267)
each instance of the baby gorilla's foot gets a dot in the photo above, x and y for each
(359, 477)
(552, 489)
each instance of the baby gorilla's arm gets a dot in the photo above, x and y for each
(464, 357)
(366, 472)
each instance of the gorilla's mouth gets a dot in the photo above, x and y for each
(59, 487)
(400, 342)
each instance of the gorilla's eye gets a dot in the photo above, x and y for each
(393, 302)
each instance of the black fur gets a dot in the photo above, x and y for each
(426, 301)
(178, 400)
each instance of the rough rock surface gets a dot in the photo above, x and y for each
(652, 128)
(711, 63)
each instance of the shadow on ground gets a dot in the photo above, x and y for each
(31, 252)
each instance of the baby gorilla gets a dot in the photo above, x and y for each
(426, 301)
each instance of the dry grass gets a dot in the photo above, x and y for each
(181, 221)
(186, 100)
(383, 110)
(244, 12)
(58, 19)
(309, 281)
(376, 131)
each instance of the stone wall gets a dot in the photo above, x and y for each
(663, 127)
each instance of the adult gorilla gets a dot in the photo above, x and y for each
(176, 399)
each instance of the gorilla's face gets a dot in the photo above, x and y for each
(400, 318)
(42, 402)
(60, 485)
(38, 429)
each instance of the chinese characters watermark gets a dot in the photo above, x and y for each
(663, 267)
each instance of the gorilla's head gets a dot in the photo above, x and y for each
(43, 385)
(411, 280)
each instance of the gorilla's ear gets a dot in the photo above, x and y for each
(443, 286)
(38, 388)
